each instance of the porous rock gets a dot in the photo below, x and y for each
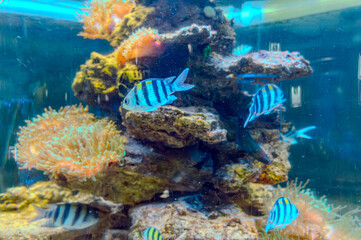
(289, 65)
(176, 127)
(178, 220)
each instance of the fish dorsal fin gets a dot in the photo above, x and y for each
(169, 80)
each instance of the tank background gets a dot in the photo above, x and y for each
(36, 51)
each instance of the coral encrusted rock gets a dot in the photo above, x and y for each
(96, 82)
(176, 127)
(178, 220)
(245, 169)
(144, 172)
(288, 65)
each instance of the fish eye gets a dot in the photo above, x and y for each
(126, 101)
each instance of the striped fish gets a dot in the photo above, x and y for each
(71, 216)
(150, 94)
(265, 101)
(152, 233)
(282, 214)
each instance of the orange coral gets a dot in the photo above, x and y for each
(316, 220)
(145, 42)
(100, 17)
(70, 142)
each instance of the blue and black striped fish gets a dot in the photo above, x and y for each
(152, 233)
(71, 216)
(150, 94)
(264, 101)
(282, 214)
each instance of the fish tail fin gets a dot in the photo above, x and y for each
(302, 132)
(40, 213)
(179, 84)
(246, 143)
(248, 119)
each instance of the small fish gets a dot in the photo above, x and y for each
(246, 143)
(150, 94)
(152, 233)
(282, 214)
(254, 78)
(28, 177)
(165, 194)
(190, 48)
(267, 98)
(242, 49)
(71, 216)
(291, 136)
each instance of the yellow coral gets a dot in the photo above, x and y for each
(69, 143)
(145, 42)
(100, 17)
(316, 219)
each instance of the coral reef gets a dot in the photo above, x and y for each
(179, 220)
(130, 23)
(289, 65)
(15, 222)
(317, 219)
(69, 143)
(100, 17)
(100, 78)
(143, 43)
(176, 128)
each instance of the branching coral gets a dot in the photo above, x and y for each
(317, 219)
(145, 42)
(69, 143)
(100, 17)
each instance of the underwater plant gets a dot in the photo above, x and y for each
(317, 219)
(70, 143)
(145, 42)
(100, 17)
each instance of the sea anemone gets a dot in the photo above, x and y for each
(100, 17)
(317, 219)
(145, 42)
(70, 143)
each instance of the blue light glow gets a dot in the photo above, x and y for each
(65, 10)
(251, 13)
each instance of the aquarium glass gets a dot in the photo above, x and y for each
(180, 119)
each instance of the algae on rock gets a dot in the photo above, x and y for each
(41, 193)
(96, 80)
